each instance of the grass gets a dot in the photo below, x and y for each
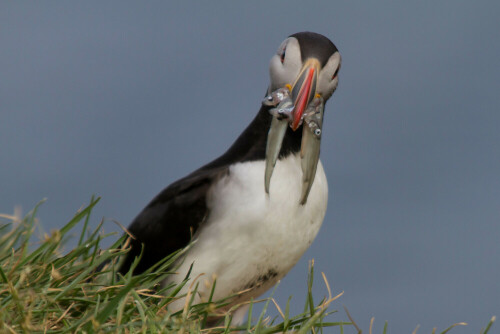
(46, 289)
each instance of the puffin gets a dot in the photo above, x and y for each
(249, 215)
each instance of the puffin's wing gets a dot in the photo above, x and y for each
(171, 219)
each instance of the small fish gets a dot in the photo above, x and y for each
(273, 147)
(282, 113)
(276, 97)
(310, 146)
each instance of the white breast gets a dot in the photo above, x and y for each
(251, 239)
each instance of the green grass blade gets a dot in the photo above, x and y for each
(454, 325)
(487, 329)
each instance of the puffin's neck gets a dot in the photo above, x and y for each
(251, 144)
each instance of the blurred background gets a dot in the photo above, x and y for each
(121, 98)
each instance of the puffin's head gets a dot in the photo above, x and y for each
(304, 74)
(308, 64)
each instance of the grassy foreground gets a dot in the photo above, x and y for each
(44, 288)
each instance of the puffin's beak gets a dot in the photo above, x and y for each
(304, 90)
(295, 108)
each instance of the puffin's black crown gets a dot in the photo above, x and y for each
(315, 45)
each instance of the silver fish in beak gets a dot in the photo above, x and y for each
(282, 114)
(293, 107)
(310, 146)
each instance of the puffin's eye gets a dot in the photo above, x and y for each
(336, 73)
(282, 56)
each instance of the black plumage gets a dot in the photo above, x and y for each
(169, 221)
(313, 45)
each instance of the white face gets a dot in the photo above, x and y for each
(286, 65)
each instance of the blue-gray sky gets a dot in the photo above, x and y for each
(121, 98)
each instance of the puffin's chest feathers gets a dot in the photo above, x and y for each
(252, 239)
(242, 209)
